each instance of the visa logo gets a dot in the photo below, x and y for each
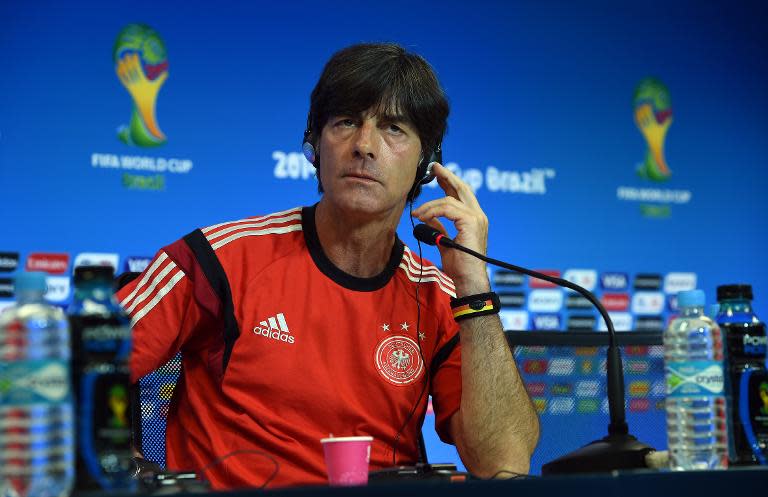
(614, 281)
(543, 322)
(137, 264)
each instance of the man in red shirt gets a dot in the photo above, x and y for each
(319, 320)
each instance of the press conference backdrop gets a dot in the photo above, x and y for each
(620, 145)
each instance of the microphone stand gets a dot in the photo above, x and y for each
(619, 449)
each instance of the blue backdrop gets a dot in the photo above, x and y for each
(542, 125)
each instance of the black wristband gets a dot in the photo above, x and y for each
(472, 306)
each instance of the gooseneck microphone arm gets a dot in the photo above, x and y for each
(618, 423)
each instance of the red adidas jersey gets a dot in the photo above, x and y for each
(314, 351)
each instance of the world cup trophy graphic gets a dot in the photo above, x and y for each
(653, 116)
(141, 64)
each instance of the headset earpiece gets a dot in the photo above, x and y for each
(424, 172)
(307, 147)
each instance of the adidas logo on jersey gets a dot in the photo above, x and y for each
(275, 328)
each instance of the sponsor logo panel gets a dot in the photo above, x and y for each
(587, 406)
(561, 389)
(615, 301)
(136, 264)
(540, 404)
(648, 303)
(545, 300)
(639, 388)
(543, 322)
(561, 366)
(6, 304)
(639, 405)
(58, 289)
(562, 405)
(622, 321)
(51, 263)
(512, 299)
(614, 281)
(507, 278)
(647, 281)
(586, 278)
(97, 259)
(9, 261)
(679, 282)
(6, 288)
(514, 320)
(535, 366)
(576, 301)
(581, 323)
(536, 388)
(537, 283)
(649, 323)
(587, 388)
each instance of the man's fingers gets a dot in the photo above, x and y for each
(455, 187)
(435, 223)
(447, 207)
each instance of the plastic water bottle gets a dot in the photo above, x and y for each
(747, 381)
(101, 337)
(36, 418)
(696, 412)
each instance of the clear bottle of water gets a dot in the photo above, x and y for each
(36, 417)
(697, 430)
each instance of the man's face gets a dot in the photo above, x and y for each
(368, 162)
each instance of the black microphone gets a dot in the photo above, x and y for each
(432, 236)
(619, 450)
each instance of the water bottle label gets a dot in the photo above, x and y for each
(42, 381)
(694, 378)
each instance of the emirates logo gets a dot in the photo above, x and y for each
(398, 361)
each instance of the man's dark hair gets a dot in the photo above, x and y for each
(383, 77)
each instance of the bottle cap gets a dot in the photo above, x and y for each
(84, 274)
(32, 281)
(730, 292)
(691, 298)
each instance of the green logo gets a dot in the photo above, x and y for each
(653, 116)
(141, 64)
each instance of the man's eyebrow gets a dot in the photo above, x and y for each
(394, 118)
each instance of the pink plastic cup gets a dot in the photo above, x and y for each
(346, 459)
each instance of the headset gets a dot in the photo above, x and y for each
(424, 172)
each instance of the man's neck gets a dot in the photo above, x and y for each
(360, 245)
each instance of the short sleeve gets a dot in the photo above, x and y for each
(162, 311)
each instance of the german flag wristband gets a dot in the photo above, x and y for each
(475, 305)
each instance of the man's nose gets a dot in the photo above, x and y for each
(364, 141)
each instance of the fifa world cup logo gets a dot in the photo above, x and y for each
(141, 64)
(653, 116)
